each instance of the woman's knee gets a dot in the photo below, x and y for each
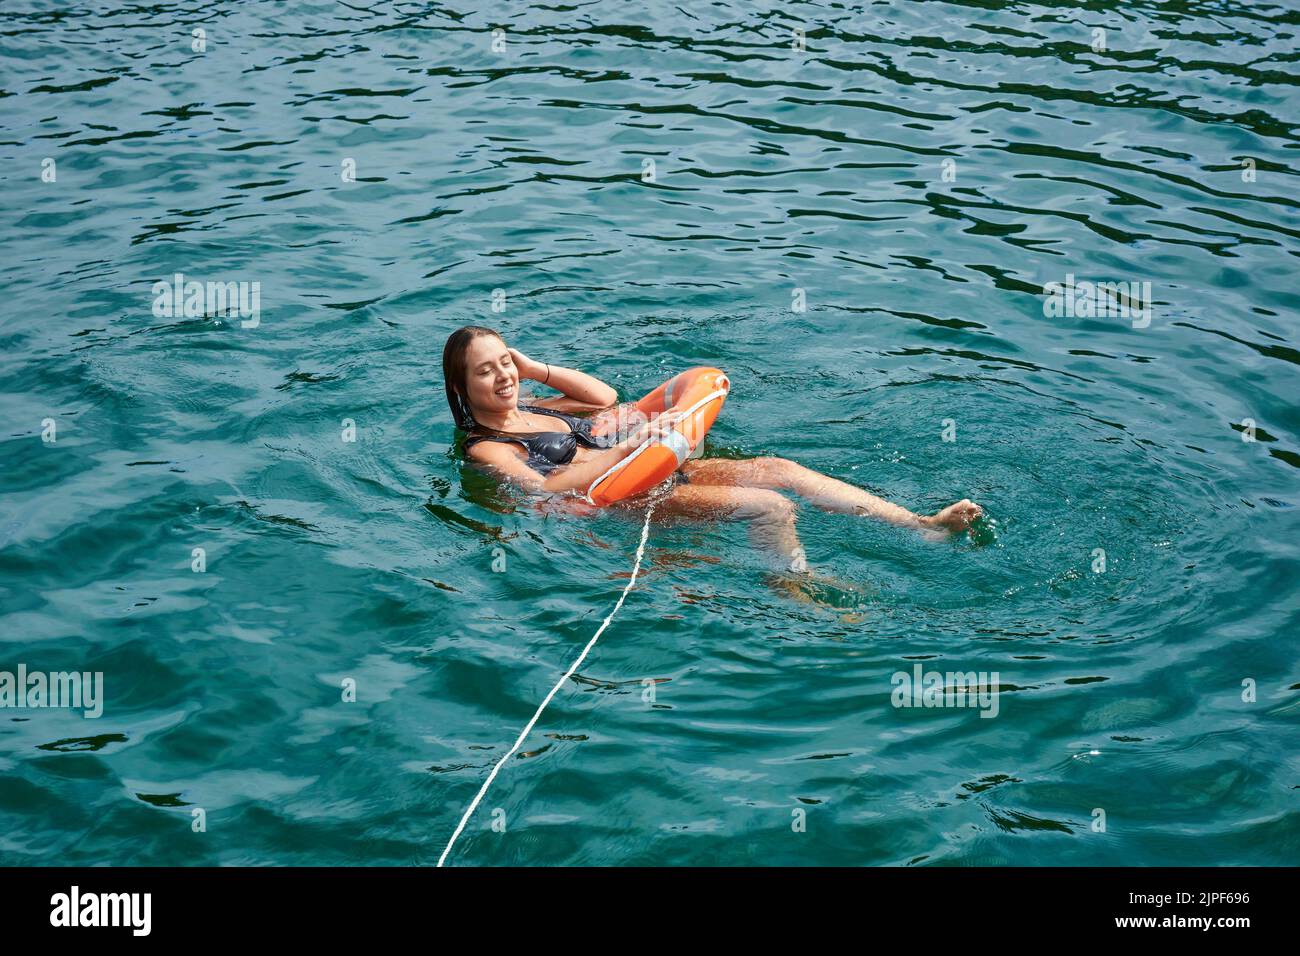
(770, 505)
(776, 470)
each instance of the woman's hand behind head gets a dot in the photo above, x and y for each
(527, 367)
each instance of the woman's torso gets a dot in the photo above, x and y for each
(548, 447)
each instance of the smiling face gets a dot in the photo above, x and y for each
(491, 379)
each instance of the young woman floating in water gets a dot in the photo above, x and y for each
(545, 448)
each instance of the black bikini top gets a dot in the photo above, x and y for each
(546, 450)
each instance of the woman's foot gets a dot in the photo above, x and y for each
(814, 587)
(956, 517)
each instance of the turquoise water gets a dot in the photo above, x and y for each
(1168, 158)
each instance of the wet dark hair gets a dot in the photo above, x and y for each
(454, 372)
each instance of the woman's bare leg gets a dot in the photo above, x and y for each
(829, 494)
(770, 517)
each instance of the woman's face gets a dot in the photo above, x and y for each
(491, 379)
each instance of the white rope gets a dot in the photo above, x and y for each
(636, 568)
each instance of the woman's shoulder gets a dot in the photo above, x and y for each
(489, 448)
(478, 434)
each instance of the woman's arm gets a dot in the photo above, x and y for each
(574, 477)
(588, 391)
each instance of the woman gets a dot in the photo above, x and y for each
(545, 448)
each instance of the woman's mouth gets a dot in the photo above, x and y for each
(506, 391)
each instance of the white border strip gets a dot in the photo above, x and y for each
(636, 568)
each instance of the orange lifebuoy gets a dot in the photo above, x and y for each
(697, 395)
